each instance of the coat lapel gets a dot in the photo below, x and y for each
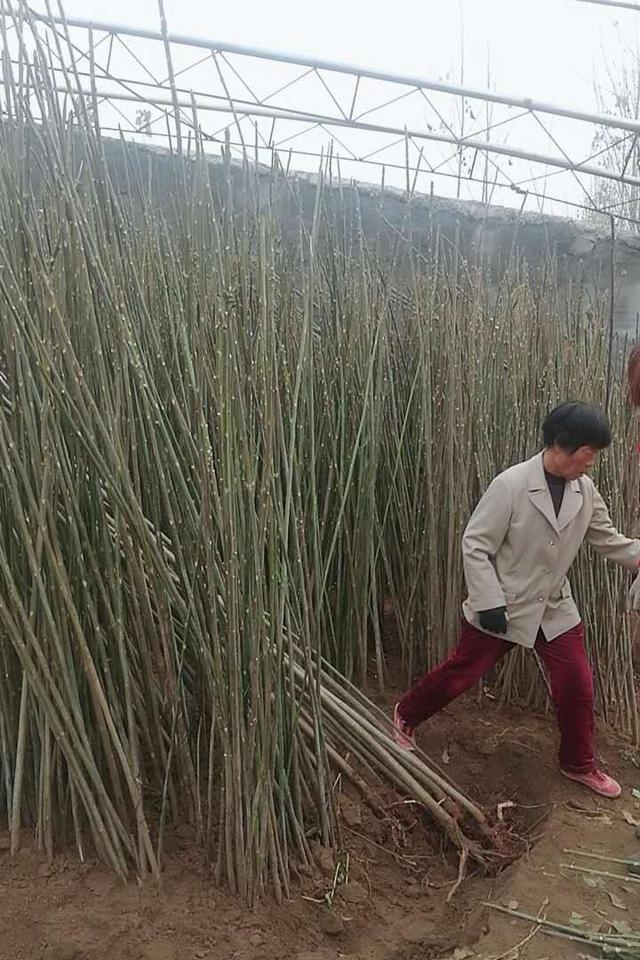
(571, 503)
(539, 493)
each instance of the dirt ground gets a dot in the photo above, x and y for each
(394, 906)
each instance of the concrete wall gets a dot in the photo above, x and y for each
(491, 235)
(581, 249)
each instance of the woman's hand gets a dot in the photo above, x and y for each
(495, 620)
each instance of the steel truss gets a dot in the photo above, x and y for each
(424, 134)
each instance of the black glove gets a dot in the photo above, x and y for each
(495, 621)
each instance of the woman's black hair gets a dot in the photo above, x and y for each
(575, 425)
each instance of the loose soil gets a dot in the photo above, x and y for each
(394, 906)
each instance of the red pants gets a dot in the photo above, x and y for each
(570, 678)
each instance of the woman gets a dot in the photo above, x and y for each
(517, 549)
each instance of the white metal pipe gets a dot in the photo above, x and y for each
(242, 108)
(614, 3)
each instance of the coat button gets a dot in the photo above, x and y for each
(540, 599)
(552, 543)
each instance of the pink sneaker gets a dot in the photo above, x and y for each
(403, 734)
(597, 781)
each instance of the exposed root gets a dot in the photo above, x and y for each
(462, 872)
(351, 723)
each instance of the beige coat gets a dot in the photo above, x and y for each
(517, 553)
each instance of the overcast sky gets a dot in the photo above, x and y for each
(544, 49)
